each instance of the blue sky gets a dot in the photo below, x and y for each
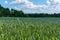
(38, 1)
(33, 6)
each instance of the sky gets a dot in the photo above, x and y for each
(33, 6)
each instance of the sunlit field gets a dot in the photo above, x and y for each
(29, 28)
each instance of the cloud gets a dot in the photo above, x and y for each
(27, 3)
(50, 6)
(16, 8)
(57, 1)
(18, 1)
(48, 2)
(6, 2)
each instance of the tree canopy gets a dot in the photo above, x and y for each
(6, 12)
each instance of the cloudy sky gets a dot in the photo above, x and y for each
(32, 6)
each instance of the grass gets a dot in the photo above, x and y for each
(21, 30)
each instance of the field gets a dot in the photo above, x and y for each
(29, 28)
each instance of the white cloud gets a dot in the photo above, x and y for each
(50, 6)
(16, 8)
(18, 1)
(57, 8)
(27, 3)
(57, 1)
(48, 2)
(6, 2)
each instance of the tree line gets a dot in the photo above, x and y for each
(6, 12)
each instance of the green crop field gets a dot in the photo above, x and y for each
(29, 29)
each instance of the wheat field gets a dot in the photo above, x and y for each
(21, 29)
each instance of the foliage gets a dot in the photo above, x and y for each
(6, 12)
